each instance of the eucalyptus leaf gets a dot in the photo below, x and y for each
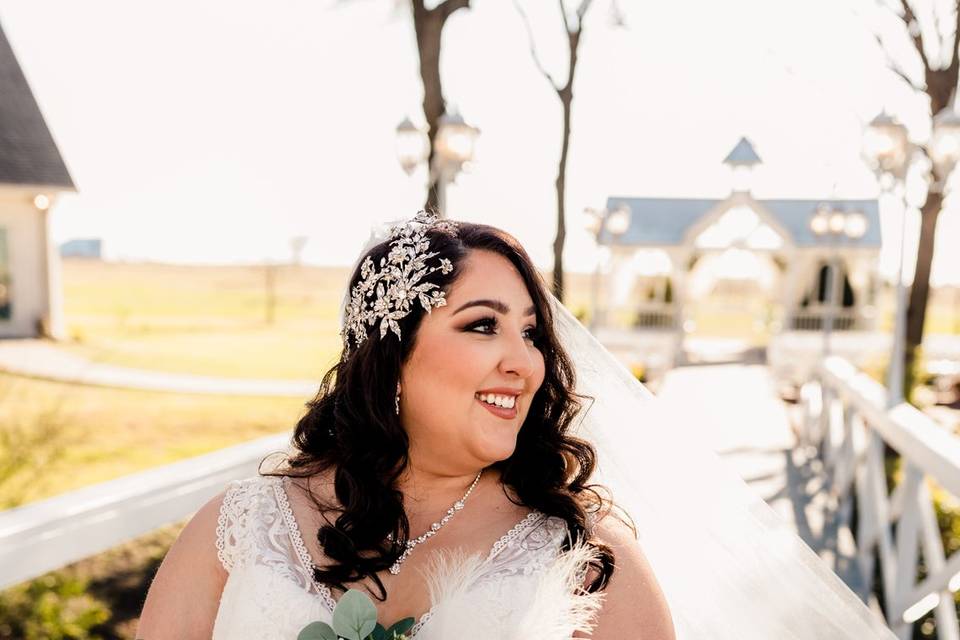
(317, 631)
(399, 628)
(354, 617)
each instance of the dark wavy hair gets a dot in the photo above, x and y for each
(351, 429)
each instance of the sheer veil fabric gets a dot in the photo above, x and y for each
(729, 567)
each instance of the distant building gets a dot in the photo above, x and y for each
(781, 266)
(32, 175)
(82, 248)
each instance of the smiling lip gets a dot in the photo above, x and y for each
(500, 412)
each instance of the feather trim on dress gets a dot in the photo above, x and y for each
(555, 610)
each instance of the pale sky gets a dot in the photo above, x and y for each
(214, 131)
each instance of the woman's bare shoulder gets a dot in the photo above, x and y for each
(183, 599)
(634, 605)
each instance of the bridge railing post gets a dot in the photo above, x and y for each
(898, 527)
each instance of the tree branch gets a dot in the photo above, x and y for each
(582, 11)
(895, 67)
(910, 18)
(533, 46)
(563, 14)
(954, 55)
(449, 6)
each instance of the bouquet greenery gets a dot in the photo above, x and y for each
(355, 618)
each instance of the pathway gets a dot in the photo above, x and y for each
(735, 409)
(42, 359)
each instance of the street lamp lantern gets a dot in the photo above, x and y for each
(412, 146)
(453, 147)
(855, 226)
(606, 225)
(618, 221)
(592, 220)
(886, 146)
(837, 222)
(455, 140)
(820, 221)
(945, 142)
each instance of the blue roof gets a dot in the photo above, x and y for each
(665, 221)
(743, 154)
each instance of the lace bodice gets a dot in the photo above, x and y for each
(271, 593)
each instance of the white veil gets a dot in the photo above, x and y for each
(729, 567)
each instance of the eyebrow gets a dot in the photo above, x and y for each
(496, 305)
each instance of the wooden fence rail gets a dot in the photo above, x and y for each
(846, 417)
(46, 535)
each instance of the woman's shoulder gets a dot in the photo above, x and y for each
(633, 597)
(187, 586)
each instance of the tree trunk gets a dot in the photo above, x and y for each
(940, 87)
(566, 98)
(428, 25)
(920, 291)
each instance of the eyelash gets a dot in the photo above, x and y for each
(533, 333)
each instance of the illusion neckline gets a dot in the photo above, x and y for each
(326, 595)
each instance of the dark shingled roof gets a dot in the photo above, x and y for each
(28, 154)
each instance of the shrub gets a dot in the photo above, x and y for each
(54, 607)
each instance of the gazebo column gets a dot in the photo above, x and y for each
(680, 260)
(792, 279)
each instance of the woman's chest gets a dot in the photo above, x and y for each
(258, 602)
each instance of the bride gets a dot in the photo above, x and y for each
(437, 470)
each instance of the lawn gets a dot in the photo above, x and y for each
(57, 437)
(205, 320)
(213, 320)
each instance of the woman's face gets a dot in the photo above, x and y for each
(476, 349)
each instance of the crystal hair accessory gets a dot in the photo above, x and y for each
(387, 292)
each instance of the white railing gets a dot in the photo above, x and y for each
(815, 320)
(46, 535)
(845, 416)
(655, 315)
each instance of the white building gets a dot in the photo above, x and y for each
(771, 252)
(32, 174)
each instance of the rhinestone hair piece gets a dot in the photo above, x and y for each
(388, 292)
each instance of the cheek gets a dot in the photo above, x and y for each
(539, 372)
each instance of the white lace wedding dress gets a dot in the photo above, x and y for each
(523, 588)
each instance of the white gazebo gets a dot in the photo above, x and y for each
(32, 174)
(809, 278)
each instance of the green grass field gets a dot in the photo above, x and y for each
(212, 320)
(85, 434)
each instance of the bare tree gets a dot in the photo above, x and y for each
(573, 27)
(428, 25)
(940, 58)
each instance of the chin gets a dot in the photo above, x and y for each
(495, 452)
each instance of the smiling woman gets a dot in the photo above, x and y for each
(435, 470)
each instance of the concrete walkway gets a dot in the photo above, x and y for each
(42, 359)
(735, 410)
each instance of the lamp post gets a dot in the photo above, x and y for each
(835, 225)
(888, 151)
(454, 147)
(598, 221)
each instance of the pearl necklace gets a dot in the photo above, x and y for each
(436, 526)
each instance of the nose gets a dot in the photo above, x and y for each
(517, 359)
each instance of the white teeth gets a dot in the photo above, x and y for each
(507, 402)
